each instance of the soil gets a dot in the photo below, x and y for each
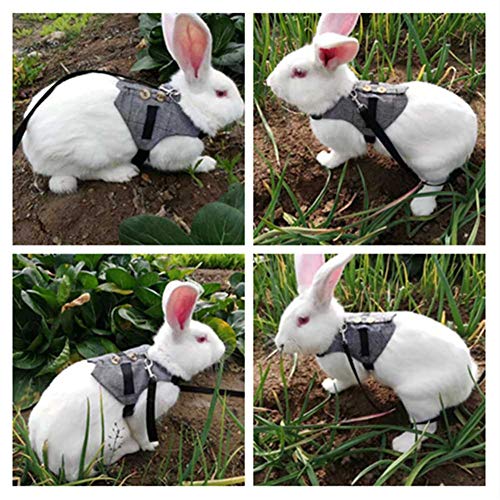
(92, 214)
(385, 180)
(353, 404)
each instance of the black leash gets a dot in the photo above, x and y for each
(19, 133)
(347, 351)
(232, 393)
(368, 115)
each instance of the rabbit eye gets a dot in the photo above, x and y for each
(302, 320)
(201, 340)
(298, 73)
(221, 93)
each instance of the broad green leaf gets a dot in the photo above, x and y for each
(121, 278)
(225, 332)
(152, 230)
(57, 363)
(26, 298)
(147, 296)
(88, 280)
(95, 346)
(218, 224)
(64, 290)
(27, 360)
(27, 389)
(112, 288)
(90, 260)
(234, 197)
(148, 279)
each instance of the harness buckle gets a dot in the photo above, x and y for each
(148, 365)
(354, 98)
(170, 92)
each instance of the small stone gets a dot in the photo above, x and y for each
(55, 38)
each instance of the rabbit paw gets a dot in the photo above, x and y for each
(121, 173)
(149, 446)
(333, 385)
(423, 206)
(330, 159)
(63, 184)
(204, 164)
(403, 442)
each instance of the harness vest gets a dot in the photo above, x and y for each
(385, 101)
(366, 334)
(125, 376)
(151, 115)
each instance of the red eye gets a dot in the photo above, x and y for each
(221, 93)
(201, 340)
(298, 73)
(302, 320)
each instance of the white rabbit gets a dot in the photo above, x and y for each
(435, 134)
(78, 133)
(422, 362)
(57, 423)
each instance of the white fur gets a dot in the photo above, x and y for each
(423, 362)
(78, 133)
(435, 134)
(58, 420)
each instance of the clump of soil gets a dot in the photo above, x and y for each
(352, 404)
(92, 214)
(385, 180)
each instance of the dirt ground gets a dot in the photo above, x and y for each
(92, 214)
(354, 404)
(385, 180)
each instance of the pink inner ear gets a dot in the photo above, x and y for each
(341, 24)
(193, 42)
(335, 56)
(181, 304)
(306, 267)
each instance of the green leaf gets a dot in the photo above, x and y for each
(147, 296)
(90, 260)
(146, 62)
(225, 332)
(58, 362)
(148, 279)
(152, 230)
(121, 278)
(26, 298)
(95, 346)
(26, 389)
(88, 280)
(112, 288)
(126, 318)
(218, 224)
(27, 360)
(234, 197)
(64, 290)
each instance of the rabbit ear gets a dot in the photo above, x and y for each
(189, 41)
(306, 266)
(342, 24)
(179, 300)
(332, 52)
(326, 279)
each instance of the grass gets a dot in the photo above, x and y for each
(25, 71)
(206, 461)
(301, 441)
(444, 49)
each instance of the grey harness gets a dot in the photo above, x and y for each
(366, 335)
(126, 375)
(384, 101)
(152, 115)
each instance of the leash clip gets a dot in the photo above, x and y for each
(148, 365)
(170, 92)
(354, 98)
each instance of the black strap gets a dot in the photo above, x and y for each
(18, 134)
(128, 378)
(140, 158)
(347, 351)
(150, 410)
(371, 122)
(365, 347)
(206, 390)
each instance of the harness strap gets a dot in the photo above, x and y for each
(369, 116)
(150, 410)
(206, 390)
